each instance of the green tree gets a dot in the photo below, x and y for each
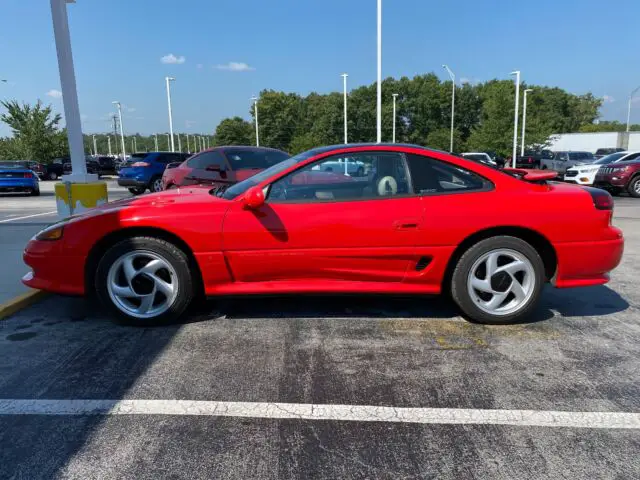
(233, 131)
(279, 116)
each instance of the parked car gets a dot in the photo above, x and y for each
(479, 157)
(146, 169)
(418, 223)
(586, 174)
(601, 152)
(18, 177)
(561, 161)
(93, 167)
(106, 165)
(533, 158)
(54, 169)
(221, 166)
(620, 177)
(345, 166)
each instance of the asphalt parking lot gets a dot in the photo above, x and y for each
(327, 387)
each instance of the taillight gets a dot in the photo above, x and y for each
(28, 175)
(602, 199)
(530, 160)
(141, 164)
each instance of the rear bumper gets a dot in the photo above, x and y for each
(18, 185)
(588, 263)
(52, 272)
(132, 182)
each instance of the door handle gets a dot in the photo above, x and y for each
(408, 224)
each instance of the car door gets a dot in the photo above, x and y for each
(209, 168)
(319, 226)
(560, 161)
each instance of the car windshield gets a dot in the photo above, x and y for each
(241, 187)
(609, 158)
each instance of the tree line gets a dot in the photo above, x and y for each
(294, 123)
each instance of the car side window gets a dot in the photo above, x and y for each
(207, 159)
(430, 176)
(352, 177)
(631, 156)
(250, 159)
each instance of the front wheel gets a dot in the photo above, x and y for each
(498, 280)
(145, 281)
(634, 187)
(137, 190)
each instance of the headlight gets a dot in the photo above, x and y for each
(51, 233)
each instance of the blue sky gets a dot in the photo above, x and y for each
(225, 51)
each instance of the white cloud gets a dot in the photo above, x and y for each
(53, 93)
(172, 59)
(235, 67)
(608, 99)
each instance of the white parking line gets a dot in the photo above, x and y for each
(27, 216)
(301, 411)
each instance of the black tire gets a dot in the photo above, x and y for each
(53, 176)
(35, 193)
(137, 190)
(153, 183)
(460, 293)
(634, 187)
(169, 252)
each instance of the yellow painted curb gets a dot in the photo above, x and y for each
(21, 301)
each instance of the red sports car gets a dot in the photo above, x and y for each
(221, 166)
(415, 221)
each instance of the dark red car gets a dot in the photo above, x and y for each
(221, 166)
(417, 221)
(620, 177)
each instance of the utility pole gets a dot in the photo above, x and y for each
(515, 119)
(170, 79)
(344, 92)
(255, 109)
(156, 141)
(524, 119)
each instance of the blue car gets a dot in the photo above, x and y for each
(144, 170)
(17, 177)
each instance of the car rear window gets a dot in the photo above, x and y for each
(240, 159)
(14, 164)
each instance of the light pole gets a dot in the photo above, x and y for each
(179, 143)
(109, 142)
(135, 143)
(255, 110)
(515, 119)
(195, 143)
(188, 144)
(156, 141)
(629, 109)
(95, 148)
(524, 118)
(344, 90)
(395, 96)
(379, 96)
(453, 102)
(168, 143)
(124, 153)
(170, 79)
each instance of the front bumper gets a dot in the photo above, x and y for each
(588, 263)
(132, 182)
(51, 271)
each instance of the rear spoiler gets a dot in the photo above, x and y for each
(533, 176)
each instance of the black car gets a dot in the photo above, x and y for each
(533, 158)
(106, 165)
(54, 169)
(93, 167)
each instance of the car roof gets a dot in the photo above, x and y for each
(363, 146)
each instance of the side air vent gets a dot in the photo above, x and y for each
(422, 263)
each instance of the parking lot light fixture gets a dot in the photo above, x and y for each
(156, 141)
(629, 108)
(515, 119)
(453, 102)
(395, 96)
(524, 119)
(95, 148)
(119, 107)
(344, 91)
(109, 143)
(170, 79)
(255, 111)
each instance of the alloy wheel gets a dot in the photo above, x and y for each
(157, 185)
(501, 281)
(636, 186)
(142, 284)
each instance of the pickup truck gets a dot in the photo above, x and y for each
(533, 159)
(561, 161)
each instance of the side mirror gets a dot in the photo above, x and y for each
(253, 198)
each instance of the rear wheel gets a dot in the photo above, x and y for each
(634, 187)
(137, 190)
(35, 192)
(53, 176)
(498, 280)
(145, 281)
(156, 185)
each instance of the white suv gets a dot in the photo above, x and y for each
(586, 174)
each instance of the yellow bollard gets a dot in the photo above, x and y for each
(74, 198)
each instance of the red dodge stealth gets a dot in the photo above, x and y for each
(413, 221)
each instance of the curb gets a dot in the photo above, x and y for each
(21, 301)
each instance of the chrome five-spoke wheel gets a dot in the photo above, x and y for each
(501, 281)
(142, 284)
